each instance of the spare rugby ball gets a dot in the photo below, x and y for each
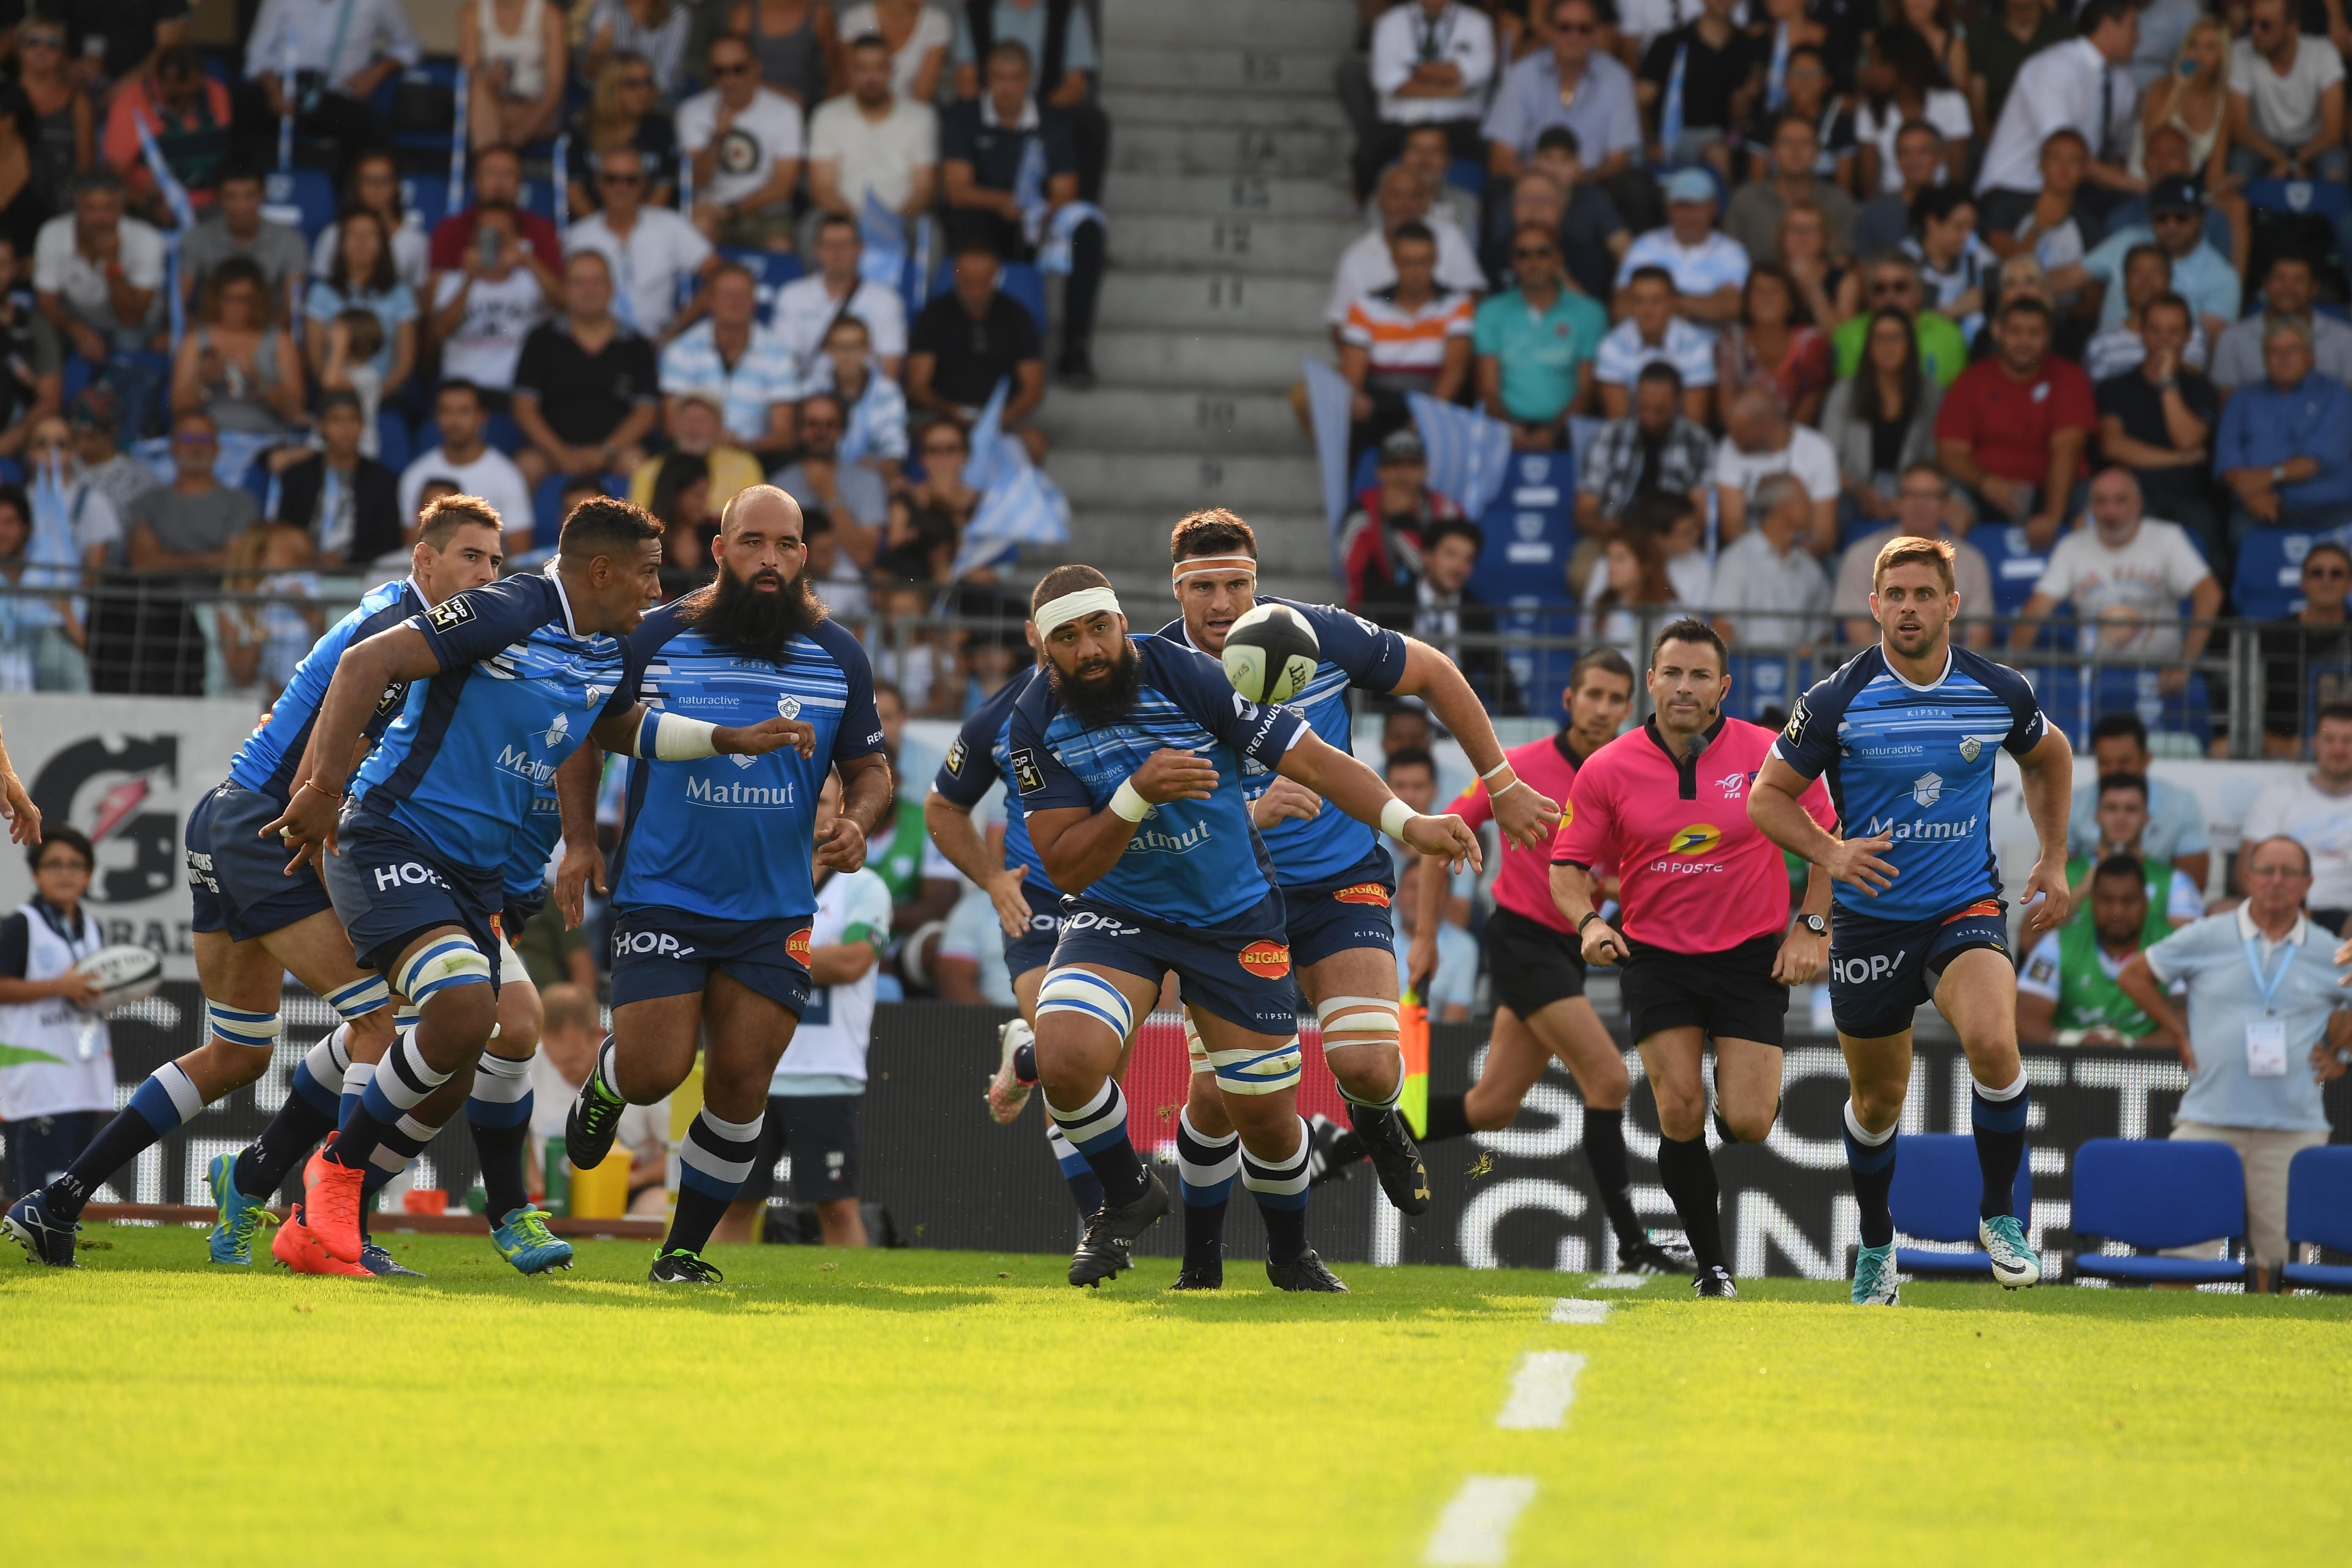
(124, 974)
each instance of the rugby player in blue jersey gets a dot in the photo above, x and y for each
(713, 888)
(254, 923)
(519, 673)
(1128, 759)
(1337, 881)
(1905, 733)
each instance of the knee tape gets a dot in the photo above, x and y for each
(1253, 1071)
(360, 998)
(1081, 990)
(439, 966)
(255, 1031)
(1358, 1021)
(1194, 1051)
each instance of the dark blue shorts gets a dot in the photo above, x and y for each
(661, 952)
(1880, 970)
(1332, 916)
(236, 877)
(388, 885)
(1033, 948)
(1240, 971)
(518, 910)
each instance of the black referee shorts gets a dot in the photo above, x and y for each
(820, 1132)
(1529, 966)
(1729, 995)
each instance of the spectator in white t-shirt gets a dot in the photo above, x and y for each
(2315, 809)
(97, 275)
(2287, 100)
(2125, 575)
(1366, 267)
(807, 307)
(482, 313)
(1708, 267)
(650, 249)
(746, 142)
(1760, 440)
(871, 140)
(465, 460)
(1432, 62)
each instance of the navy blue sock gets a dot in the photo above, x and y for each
(714, 1163)
(1999, 1125)
(1205, 1168)
(1085, 1187)
(498, 1113)
(265, 1163)
(1872, 1168)
(1280, 1190)
(1098, 1131)
(157, 1108)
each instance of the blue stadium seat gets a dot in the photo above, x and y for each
(1761, 681)
(538, 197)
(2150, 1194)
(426, 196)
(395, 444)
(303, 198)
(770, 268)
(2016, 564)
(440, 70)
(2270, 573)
(1468, 174)
(501, 431)
(1936, 1192)
(2323, 198)
(1019, 278)
(2075, 699)
(1366, 474)
(1531, 529)
(2319, 1209)
(255, 483)
(11, 471)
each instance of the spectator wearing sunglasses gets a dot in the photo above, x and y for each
(746, 139)
(2308, 658)
(650, 249)
(1892, 283)
(622, 113)
(1535, 343)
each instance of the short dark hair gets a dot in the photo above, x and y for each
(1446, 528)
(2332, 711)
(2125, 866)
(233, 169)
(73, 839)
(1939, 203)
(1655, 274)
(870, 40)
(459, 384)
(14, 499)
(605, 525)
(1658, 512)
(1413, 229)
(826, 394)
(836, 220)
(2099, 13)
(977, 240)
(2168, 301)
(1691, 629)
(1560, 136)
(1408, 757)
(1607, 661)
(2132, 782)
(2027, 305)
(1659, 369)
(2110, 725)
(1212, 531)
(445, 515)
(1011, 47)
(342, 397)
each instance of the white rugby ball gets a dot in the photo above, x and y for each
(124, 974)
(1271, 653)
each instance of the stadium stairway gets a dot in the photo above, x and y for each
(1228, 206)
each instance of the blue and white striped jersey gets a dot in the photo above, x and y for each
(1190, 862)
(733, 838)
(519, 691)
(266, 760)
(964, 780)
(1355, 652)
(1915, 762)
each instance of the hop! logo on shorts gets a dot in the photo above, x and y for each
(797, 944)
(1362, 893)
(1267, 960)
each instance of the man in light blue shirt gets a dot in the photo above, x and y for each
(2265, 1029)
(2176, 818)
(1570, 84)
(2280, 445)
(2200, 274)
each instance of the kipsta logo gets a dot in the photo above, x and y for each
(1696, 839)
(1927, 789)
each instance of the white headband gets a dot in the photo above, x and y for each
(1215, 565)
(1075, 607)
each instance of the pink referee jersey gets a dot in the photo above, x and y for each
(1695, 875)
(1523, 884)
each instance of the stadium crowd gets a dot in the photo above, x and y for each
(251, 325)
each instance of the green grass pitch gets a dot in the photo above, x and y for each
(951, 1408)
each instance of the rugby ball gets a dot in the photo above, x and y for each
(122, 974)
(1271, 653)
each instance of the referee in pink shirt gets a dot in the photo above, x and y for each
(1709, 949)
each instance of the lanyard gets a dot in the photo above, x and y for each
(2266, 985)
(1434, 41)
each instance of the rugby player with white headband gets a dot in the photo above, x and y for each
(1127, 759)
(1337, 881)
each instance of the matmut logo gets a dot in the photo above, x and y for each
(521, 762)
(702, 791)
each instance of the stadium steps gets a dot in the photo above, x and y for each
(1228, 206)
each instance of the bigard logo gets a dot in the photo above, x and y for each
(1266, 960)
(1363, 893)
(797, 944)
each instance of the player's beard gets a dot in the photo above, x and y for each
(739, 614)
(1098, 704)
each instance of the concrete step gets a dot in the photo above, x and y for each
(1203, 362)
(1098, 478)
(1294, 545)
(1212, 301)
(1158, 420)
(1303, 247)
(1227, 148)
(1272, 72)
(1125, 193)
(1267, 24)
(1132, 106)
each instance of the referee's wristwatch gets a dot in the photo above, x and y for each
(1815, 924)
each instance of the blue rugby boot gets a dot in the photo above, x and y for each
(2013, 1260)
(241, 1217)
(524, 1241)
(1874, 1280)
(43, 1238)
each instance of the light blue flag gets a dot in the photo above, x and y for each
(51, 559)
(1018, 505)
(990, 460)
(884, 234)
(562, 182)
(1327, 397)
(1670, 118)
(1053, 253)
(1469, 453)
(184, 216)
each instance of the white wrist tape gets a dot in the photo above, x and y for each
(1502, 767)
(677, 739)
(1393, 817)
(1128, 803)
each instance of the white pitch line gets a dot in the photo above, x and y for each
(1568, 1309)
(1542, 1388)
(1620, 1281)
(1475, 1530)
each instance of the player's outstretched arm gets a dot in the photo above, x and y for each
(1080, 846)
(1774, 808)
(2046, 777)
(1525, 814)
(952, 829)
(643, 732)
(583, 858)
(400, 653)
(1358, 791)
